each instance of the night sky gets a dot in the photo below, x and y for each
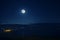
(37, 11)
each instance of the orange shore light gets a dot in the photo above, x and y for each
(7, 30)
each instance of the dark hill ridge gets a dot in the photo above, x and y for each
(35, 29)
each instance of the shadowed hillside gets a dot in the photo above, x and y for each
(37, 31)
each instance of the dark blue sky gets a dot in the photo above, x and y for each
(37, 11)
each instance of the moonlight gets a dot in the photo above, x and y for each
(23, 11)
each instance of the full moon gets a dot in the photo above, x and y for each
(23, 11)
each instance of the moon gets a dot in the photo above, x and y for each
(23, 11)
